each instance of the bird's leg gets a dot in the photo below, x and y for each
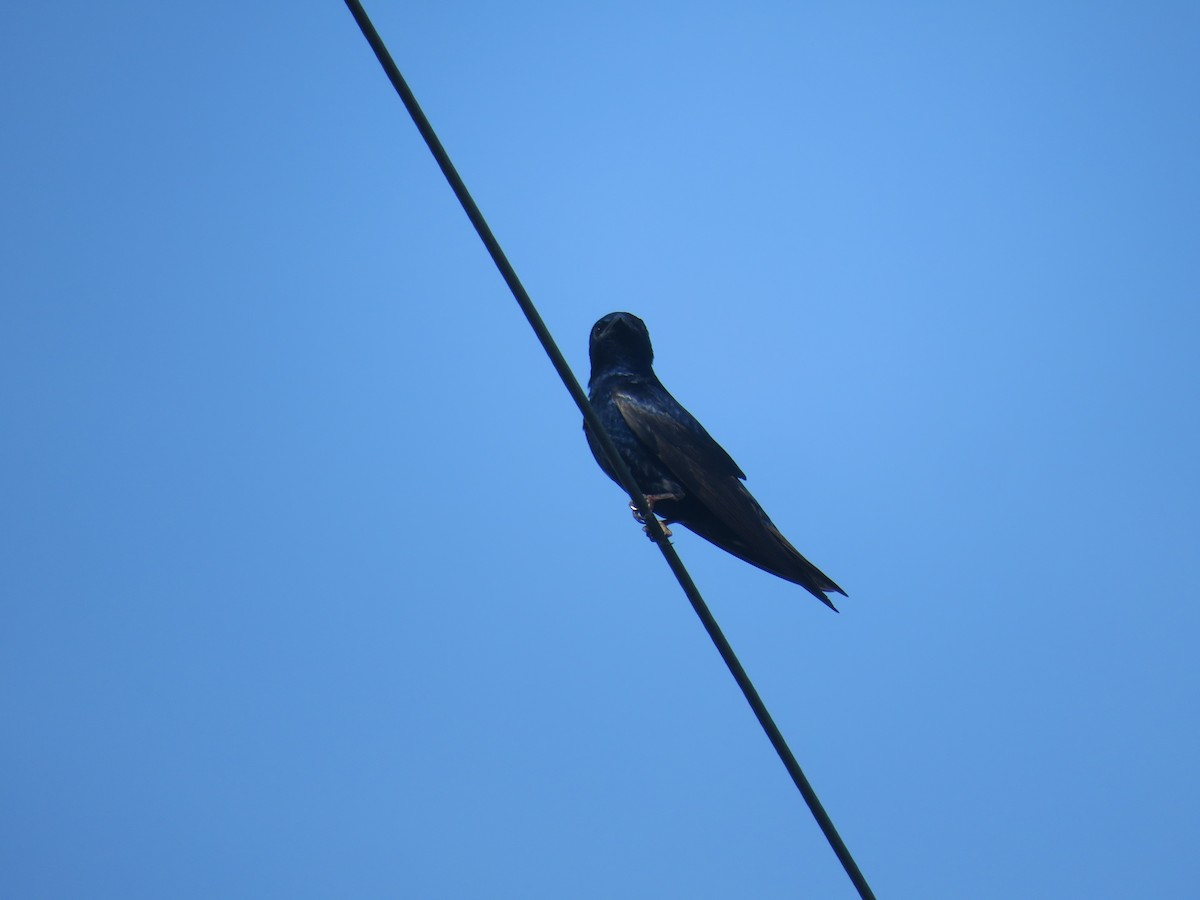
(651, 499)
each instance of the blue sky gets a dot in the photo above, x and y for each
(311, 587)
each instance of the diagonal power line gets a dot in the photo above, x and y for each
(627, 481)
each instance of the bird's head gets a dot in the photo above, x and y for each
(620, 341)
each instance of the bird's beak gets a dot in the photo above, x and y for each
(622, 322)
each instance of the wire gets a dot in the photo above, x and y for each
(653, 527)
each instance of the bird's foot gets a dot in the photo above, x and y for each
(651, 499)
(662, 523)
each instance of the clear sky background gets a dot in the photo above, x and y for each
(311, 588)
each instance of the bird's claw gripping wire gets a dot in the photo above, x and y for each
(651, 499)
(662, 523)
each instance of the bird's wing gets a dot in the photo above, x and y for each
(734, 520)
(661, 423)
(699, 462)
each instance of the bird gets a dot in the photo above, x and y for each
(684, 474)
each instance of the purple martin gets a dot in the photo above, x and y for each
(685, 475)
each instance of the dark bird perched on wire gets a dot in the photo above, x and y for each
(685, 475)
